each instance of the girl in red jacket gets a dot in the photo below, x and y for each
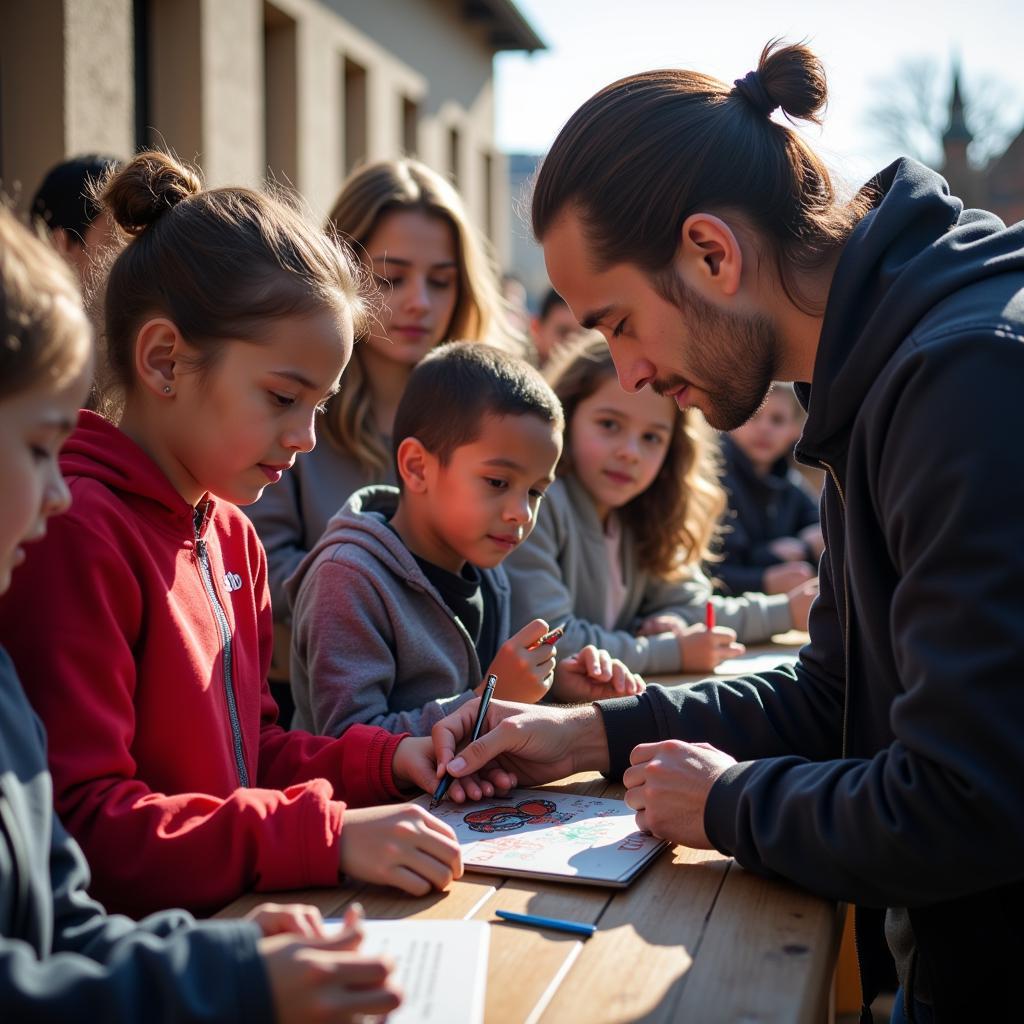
(141, 625)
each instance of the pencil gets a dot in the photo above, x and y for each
(709, 615)
(552, 636)
(492, 681)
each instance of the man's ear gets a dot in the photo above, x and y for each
(414, 465)
(159, 348)
(709, 257)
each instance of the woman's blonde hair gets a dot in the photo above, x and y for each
(674, 521)
(480, 312)
(44, 332)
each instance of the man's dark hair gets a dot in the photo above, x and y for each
(456, 385)
(551, 301)
(66, 199)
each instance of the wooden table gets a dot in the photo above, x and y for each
(694, 938)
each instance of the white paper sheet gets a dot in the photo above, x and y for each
(749, 664)
(441, 967)
(547, 834)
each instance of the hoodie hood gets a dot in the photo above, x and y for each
(917, 246)
(97, 450)
(363, 521)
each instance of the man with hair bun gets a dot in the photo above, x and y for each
(886, 767)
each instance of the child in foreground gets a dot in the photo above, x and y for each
(62, 957)
(403, 603)
(619, 542)
(772, 539)
(228, 321)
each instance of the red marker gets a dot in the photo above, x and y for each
(709, 615)
(549, 638)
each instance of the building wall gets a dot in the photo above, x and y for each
(295, 90)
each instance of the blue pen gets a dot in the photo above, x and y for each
(492, 681)
(575, 927)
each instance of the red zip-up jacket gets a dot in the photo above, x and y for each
(143, 640)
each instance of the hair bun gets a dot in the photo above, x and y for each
(794, 79)
(146, 188)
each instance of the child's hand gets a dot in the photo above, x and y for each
(321, 980)
(800, 600)
(414, 763)
(782, 578)
(401, 845)
(524, 676)
(655, 624)
(304, 920)
(591, 675)
(701, 649)
(788, 549)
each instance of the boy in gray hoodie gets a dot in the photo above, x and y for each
(403, 600)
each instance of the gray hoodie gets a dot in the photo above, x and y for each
(560, 573)
(62, 958)
(372, 639)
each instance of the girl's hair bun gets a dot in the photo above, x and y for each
(794, 78)
(147, 187)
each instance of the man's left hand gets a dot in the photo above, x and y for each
(668, 786)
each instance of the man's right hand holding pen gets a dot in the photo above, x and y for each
(520, 744)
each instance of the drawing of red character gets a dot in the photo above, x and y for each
(504, 818)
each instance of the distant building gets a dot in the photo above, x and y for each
(526, 259)
(999, 185)
(297, 90)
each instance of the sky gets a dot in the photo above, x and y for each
(863, 45)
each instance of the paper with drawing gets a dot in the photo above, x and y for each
(547, 834)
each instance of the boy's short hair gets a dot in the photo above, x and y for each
(66, 198)
(457, 384)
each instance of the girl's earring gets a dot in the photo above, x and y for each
(167, 389)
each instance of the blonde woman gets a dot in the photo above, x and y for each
(410, 228)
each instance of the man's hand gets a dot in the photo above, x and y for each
(520, 744)
(668, 786)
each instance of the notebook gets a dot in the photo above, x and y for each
(562, 837)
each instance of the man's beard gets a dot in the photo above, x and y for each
(736, 354)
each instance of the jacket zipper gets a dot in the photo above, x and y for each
(225, 640)
(846, 687)
(19, 861)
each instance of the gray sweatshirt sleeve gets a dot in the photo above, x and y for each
(110, 968)
(277, 517)
(755, 617)
(540, 590)
(343, 657)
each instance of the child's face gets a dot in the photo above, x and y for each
(33, 426)
(618, 442)
(239, 427)
(770, 433)
(483, 504)
(413, 257)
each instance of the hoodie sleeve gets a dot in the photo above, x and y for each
(110, 968)
(939, 813)
(343, 655)
(755, 617)
(790, 711)
(143, 841)
(540, 590)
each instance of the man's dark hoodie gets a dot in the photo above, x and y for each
(886, 768)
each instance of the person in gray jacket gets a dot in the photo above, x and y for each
(404, 600)
(62, 957)
(618, 544)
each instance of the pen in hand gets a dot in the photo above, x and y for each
(552, 636)
(481, 714)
